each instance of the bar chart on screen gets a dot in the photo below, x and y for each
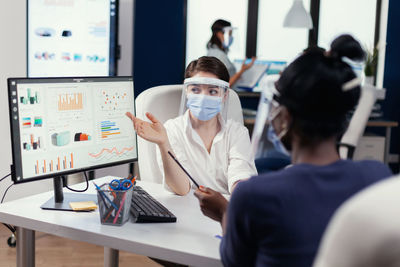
(68, 104)
(31, 142)
(109, 129)
(70, 101)
(31, 97)
(54, 164)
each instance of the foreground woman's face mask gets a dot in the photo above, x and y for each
(204, 107)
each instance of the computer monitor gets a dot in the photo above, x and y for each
(61, 126)
(72, 38)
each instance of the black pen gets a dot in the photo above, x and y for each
(191, 178)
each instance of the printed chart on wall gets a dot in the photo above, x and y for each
(77, 125)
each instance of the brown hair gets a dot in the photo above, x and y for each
(217, 26)
(207, 64)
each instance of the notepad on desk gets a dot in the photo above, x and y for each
(83, 205)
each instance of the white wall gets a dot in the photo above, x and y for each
(13, 64)
(276, 42)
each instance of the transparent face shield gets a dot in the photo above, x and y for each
(209, 89)
(268, 109)
(231, 38)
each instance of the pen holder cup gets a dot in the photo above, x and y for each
(114, 205)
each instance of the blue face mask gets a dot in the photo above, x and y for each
(274, 139)
(228, 43)
(204, 107)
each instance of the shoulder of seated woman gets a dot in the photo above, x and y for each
(232, 125)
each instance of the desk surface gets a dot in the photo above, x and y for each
(191, 240)
(370, 123)
(382, 123)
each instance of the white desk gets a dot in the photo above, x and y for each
(190, 241)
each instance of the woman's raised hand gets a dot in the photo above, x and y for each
(249, 65)
(152, 131)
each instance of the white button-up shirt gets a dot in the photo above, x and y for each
(229, 159)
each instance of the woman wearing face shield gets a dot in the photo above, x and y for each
(218, 47)
(211, 148)
(278, 218)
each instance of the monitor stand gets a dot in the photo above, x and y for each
(61, 201)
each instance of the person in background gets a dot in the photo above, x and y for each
(211, 148)
(271, 159)
(278, 218)
(364, 232)
(218, 46)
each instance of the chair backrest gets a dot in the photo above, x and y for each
(364, 231)
(164, 102)
(358, 122)
(235, 111)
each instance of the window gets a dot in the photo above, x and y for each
(274, 42)
(357, 19)
(201, 14)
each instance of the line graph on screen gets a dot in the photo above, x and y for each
(113, 153)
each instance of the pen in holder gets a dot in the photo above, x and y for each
(114, 205)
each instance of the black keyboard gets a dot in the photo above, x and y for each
(144, 208)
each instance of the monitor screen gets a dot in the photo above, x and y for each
(72, 38)
(67, 125)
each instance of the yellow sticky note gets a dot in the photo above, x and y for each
(83, 205)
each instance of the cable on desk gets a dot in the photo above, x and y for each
(83, 190)
(5, 177)
(5, 192)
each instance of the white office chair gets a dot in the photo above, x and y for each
(164, 102)
(364, 231)
(358, 122)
